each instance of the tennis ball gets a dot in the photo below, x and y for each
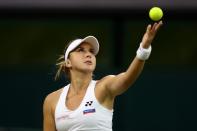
(155, 13)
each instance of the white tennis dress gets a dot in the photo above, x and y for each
(89, 116)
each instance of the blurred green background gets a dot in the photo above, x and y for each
(162, 99)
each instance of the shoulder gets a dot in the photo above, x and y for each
(103, 81)
(51, 99)
(109, 83)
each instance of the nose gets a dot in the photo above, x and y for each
(88, 54)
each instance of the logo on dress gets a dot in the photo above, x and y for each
(89, 111)
(63, 117)
(88, 103)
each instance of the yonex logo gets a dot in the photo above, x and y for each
(88, 103)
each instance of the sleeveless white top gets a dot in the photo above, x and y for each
(89, 116)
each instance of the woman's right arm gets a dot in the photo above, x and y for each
(48, 122)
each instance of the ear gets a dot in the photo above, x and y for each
(68, 63)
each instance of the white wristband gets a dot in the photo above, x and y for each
(143, 54)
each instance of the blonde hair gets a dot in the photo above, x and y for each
(61, 65)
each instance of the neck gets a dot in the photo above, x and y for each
(80, 81)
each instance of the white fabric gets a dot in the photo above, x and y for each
(142, 53)
(89, 116)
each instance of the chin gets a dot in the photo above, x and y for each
(89, 69)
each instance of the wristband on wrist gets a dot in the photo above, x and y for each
(142, 53)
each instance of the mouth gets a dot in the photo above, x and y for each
(88, 62)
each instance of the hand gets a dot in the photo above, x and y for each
(150, 33)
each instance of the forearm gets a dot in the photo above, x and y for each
(121, 82)
(124, 80)
(133, 71)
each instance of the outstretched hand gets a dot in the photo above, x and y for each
(150, 33)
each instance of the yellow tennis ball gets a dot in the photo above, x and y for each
(155, 13)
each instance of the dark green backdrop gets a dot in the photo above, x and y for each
(162, 99)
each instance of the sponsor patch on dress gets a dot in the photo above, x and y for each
(89, 111)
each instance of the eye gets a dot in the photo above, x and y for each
(92, 51)
(79, 49)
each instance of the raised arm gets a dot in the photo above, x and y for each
(117, 84)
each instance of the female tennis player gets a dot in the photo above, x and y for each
(86, 104)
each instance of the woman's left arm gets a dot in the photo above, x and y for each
(117, 84)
